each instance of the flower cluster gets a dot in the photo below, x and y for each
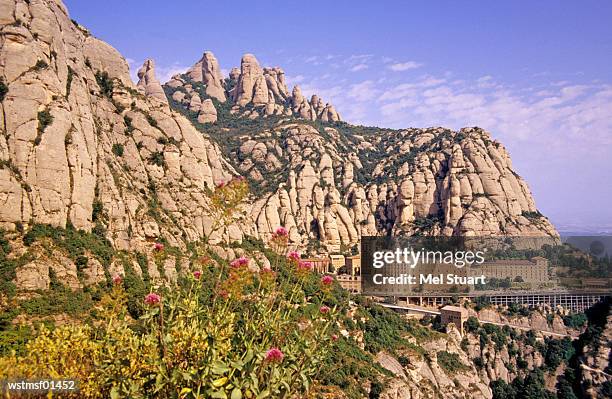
(327, 280)
(293, 256)
(152, 299)
(197, 274)
(274, 355)
(117, 280)
(240, 262)
(158, 246)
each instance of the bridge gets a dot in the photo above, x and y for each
(576, 301)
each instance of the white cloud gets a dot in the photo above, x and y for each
(363, 91)
(359, 67)
(404, 66)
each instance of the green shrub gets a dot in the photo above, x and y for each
(40, 65)
(105, 83)
(44, 120)
(69, 78)
(118, 149)
(75, 242)
(575, 320)
(3, 89)
(450, 362)
(129, 128)
(157, 158)
(150, 119)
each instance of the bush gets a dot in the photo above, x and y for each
(450, 362)
(44, 120)
(3, 89)
(205, 340)
(118, 149)
(157, 158)
(575, 320)
(105, 83)
(75, 242)
(40, 64)
(69, 78)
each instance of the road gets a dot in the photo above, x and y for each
(429, 311)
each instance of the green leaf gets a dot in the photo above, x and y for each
(263, 394)
(236, 394)
(114, 393)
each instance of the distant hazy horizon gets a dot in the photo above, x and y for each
(536, 76)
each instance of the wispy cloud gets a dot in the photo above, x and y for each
(359, 67)
(404, 66)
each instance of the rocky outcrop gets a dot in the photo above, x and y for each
(596, 362)
(208, 72)
(207, 113)
(148, 83)
(254, 91)
(341, 186)
(77, 134)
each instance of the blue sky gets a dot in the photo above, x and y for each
(537, 75)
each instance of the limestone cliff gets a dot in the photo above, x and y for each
(80, 144)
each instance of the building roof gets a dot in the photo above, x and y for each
(451, 308)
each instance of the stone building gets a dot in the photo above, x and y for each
(336, 261)
(534, 270)
(353, 265)
(454, 314)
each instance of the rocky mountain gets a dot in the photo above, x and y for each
(333, 182)
(82, 145)
(251, 90)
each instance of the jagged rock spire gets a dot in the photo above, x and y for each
(148, 83)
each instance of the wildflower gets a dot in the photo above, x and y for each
(152, 299)
(221, 184)
(274, 355)
(324, 309)
(327, 279)
(304, 265)
(334, 337)
(242, 261)
(293, 255)
(158, 246)
(281, 231)
(197, 274)
(117, 279)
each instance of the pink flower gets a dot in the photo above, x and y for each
(152, 299)
(327, 279)
(197, 274)
(281, 231)
(158, 246)
(324, 309)
(242, 261)
(303, 265)
(117, 279)
(293, 255)
(274, 355)
(334, 337)
(221, 184)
